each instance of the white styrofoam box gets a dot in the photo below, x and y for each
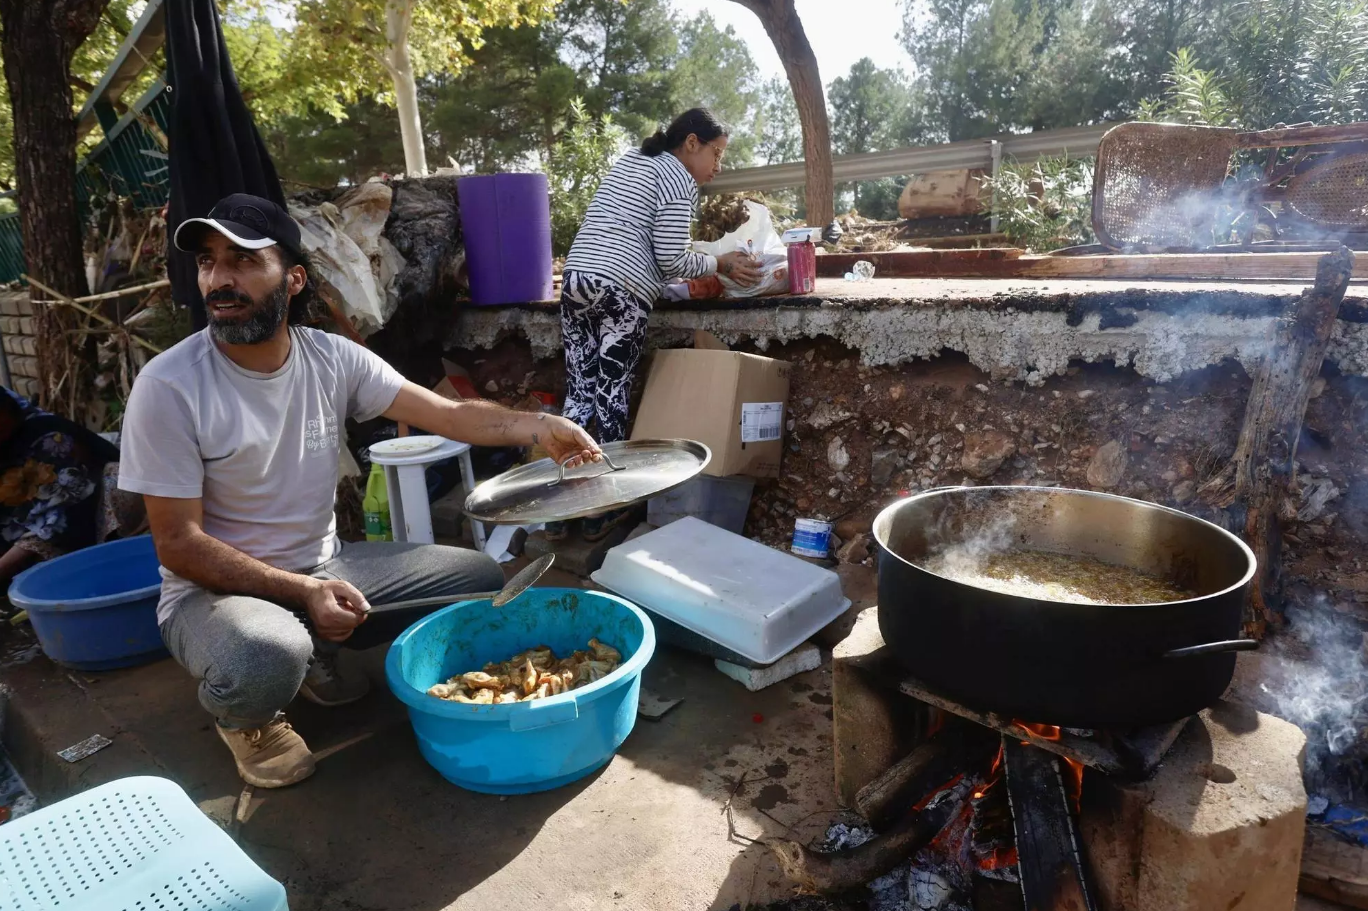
(806, 657)
(759, 602)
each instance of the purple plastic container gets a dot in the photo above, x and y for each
(506, 220)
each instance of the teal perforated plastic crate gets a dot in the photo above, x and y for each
(138, 844)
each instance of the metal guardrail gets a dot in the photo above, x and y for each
(952, 156)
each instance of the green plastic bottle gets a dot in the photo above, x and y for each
(375, 506)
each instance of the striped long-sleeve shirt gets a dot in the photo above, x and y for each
(636, 232)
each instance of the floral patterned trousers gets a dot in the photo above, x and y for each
(604, 328)
(48, 480)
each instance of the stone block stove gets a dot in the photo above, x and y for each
(1206, 813)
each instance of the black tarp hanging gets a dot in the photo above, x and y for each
(215, 148)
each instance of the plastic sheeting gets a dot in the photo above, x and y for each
(343, 238)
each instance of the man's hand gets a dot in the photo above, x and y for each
(563, 438)
(335, 607)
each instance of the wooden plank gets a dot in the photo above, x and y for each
(1300, 136)
(1048, 858)
(997, 262)
(911, 263)
(1135, 758)
(1334, 870)
(958, 241)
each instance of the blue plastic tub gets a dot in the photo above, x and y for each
(95, 609)
(527, 746)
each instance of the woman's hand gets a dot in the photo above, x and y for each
(563, 438)
(738, 267)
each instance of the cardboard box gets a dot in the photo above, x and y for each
(456, 384)
(732, 402)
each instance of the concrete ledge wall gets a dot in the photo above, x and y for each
(1014, 331)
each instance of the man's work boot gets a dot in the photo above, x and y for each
(271, 756)
(326, 683)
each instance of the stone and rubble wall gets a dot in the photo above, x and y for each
(1140, 393)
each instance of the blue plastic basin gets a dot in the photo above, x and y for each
(95, 609)
(527, 746)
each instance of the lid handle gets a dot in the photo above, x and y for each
(560, 475)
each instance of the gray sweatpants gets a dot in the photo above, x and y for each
(250, 655)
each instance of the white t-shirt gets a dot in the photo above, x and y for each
(260, 449)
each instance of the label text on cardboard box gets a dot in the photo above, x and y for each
(761, 421)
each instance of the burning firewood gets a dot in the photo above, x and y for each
(840, 871)
(886, 797)
(1050, 863)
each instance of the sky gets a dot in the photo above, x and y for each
(840, 31)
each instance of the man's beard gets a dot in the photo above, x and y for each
(266, 317)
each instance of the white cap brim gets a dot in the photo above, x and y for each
(234, 232)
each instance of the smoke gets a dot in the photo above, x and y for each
(958, 553)
(1316, 677)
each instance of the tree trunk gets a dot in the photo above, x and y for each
(38, 42)
(785, 29)
(398, 18)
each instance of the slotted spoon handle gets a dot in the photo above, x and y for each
(524, 579)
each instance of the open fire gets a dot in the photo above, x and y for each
(982, 814)
(973, 862)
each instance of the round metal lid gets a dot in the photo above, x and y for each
(630, 472)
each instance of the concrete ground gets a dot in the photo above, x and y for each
(377, 828)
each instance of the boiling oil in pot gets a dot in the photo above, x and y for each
(1043, 576)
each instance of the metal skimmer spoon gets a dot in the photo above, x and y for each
(524, 579)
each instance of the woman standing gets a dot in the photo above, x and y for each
(634, 239)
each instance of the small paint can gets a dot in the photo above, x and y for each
(811, 538)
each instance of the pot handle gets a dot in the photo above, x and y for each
(1213, 648)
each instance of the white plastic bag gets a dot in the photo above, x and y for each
(758, 237)
(774, 278)
(758, 230)
(341, 263)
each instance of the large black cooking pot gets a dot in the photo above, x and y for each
(1049, 662)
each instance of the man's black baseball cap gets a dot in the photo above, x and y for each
(248, 221)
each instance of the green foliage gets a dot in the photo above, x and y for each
(88, 64)
(868, 108)
(777, 133)
(622, 54)
(340, 45)
(1274, 62)
(715, 71)
(876, 199)
(1045, 205)
(575, 168)
(976, 58)
(869, 113)
(512, 102)
(317, 151)
(1193, 96)
(636, 61)
(992, 66)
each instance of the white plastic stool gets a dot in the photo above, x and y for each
(406, 483)
(137, 843)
